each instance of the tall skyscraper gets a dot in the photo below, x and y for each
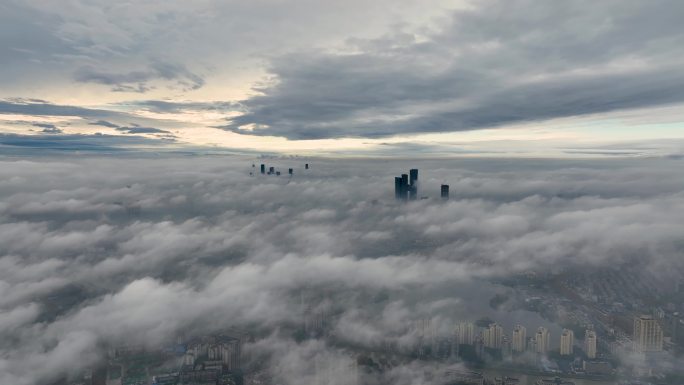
(648, 334)
(519, 338)
(465, 333)
(590, 343)
(445, 191)
(413, 176)
(404, 186)
(493, 336)
(306, 166)
(289, 171)
(271, 170)
(263, 169)
(542, 340)
(566, 342)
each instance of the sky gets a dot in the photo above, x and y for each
(492, 78)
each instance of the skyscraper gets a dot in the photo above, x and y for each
(289, 171)
(306, 166)
(519, 338)
(397, 187)
(542, 340)
(404, 186)
(493, 336)
(445, 191)
(271, 170)
(263, 169)
(590, 343)
(648, 334)
(566, 342)
(413, 181)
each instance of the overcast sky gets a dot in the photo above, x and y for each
(503, 78)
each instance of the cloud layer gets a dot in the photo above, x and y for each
(103, 251)
(497, 63)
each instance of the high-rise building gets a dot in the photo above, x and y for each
(413, 192)
(519, 338)
(271, 170)
(567, 342)
(590, 343)
(445, 191)
(648, 334)
(413, 181)
(306, 166)
(263, 169)
(289, 171)
(493, 336)
(404, 187)
(542, 340)
(465, 333)
(397, 187)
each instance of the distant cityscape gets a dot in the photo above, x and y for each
(219, 359)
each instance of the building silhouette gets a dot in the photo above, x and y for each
(263, 169)
(444, 191)
(405, 186)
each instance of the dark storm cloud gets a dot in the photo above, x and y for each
(499, 63)
(148, 247)
(139, 81)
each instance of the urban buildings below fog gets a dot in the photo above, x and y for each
(493, 336)
(567, 342)
(465, 333)
(542, 340)
(519, 338)
(590, 344)
(648, 334)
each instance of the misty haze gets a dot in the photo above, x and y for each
(302, 192)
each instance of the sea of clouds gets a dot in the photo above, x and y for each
(104, 251)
